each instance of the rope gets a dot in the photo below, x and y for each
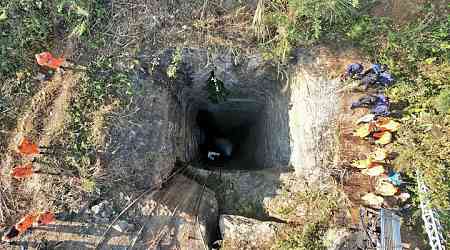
(149, 190)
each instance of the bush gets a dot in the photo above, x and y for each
(294, 22)
(443, 102)
(310, 237)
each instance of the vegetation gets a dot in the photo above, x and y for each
(290, 23)
(102, 85)
(30, 27)
(25, 29)
(418, 55)
(309, 237)
(310, 211)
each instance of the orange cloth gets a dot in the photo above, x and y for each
(26, 222)
(46, 59)
(26, 147)
(22, 171)
(46, 218)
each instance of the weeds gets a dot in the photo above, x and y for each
(310, 237)
(175, 63)
(102, 85)
(311, 210)
(298, 22)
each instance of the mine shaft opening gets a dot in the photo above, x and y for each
(229, 134)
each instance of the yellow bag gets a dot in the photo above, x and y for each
(379, 154)
(373, 171)
(372, 199)
(383, 138)
(385, 188)
(363, 131)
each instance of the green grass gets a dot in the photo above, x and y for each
(30, 27)
(25, 29)
(316, 208)
(102, 85)
(308, 237)
(292, 23)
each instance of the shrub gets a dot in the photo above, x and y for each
(293, 22)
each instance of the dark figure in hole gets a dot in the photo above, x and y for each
(213, 144)
(222, 149)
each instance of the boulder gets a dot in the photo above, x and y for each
(245, 233)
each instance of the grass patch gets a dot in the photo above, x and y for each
(285, 24)
(102, 85)
(310, 212)
(308, 237)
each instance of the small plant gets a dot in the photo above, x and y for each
(310, 237)
(443, 102)
(101, 86)
(294, 22)
(176, 60)
(216, 89)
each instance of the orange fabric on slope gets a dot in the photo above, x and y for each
(46, 218)
(26, 147)
(26, 222)
(46, 59)
(22, 171)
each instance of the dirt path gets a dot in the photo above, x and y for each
(44, 119)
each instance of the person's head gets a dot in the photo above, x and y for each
(383, 68)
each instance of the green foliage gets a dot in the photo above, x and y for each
(310, 237)
(176, 60)
(443, 102)
(294, 22)
(102, 85)
(424, 144)
(313, 208)
(25, 29)
(417, 54)
(216, 90)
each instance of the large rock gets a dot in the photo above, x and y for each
(244, 233)
(183, 216)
